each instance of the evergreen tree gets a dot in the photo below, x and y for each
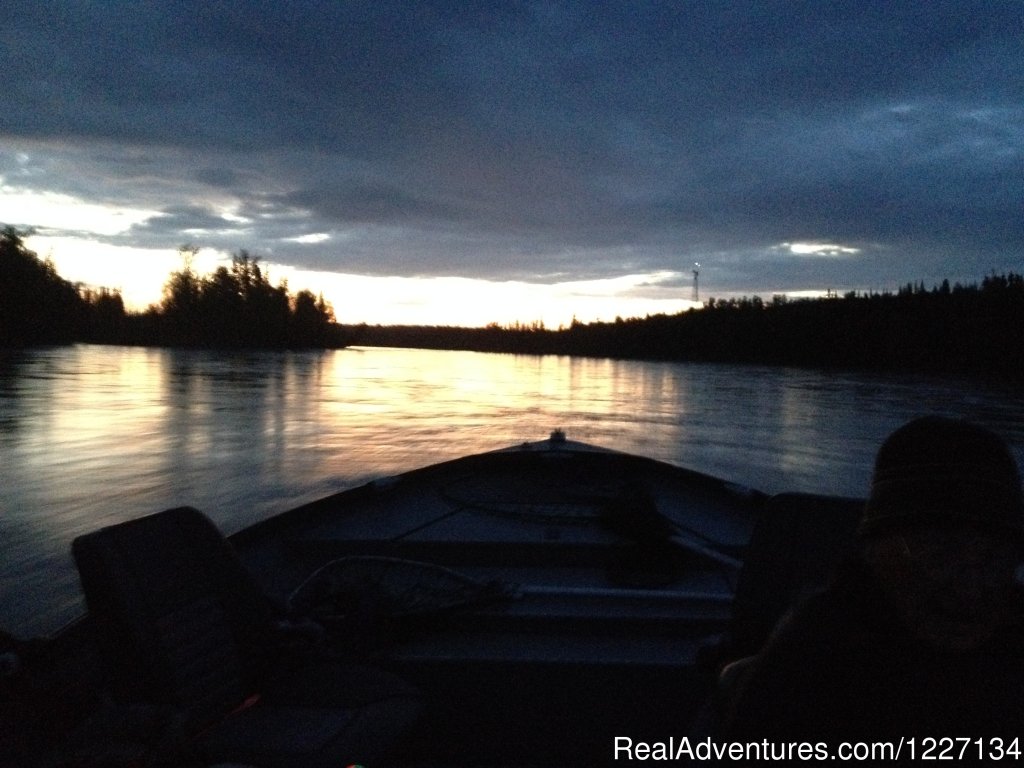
(37, 306)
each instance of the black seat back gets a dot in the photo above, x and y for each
(797, 542)
(180, 620)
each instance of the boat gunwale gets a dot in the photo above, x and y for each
(506, 457)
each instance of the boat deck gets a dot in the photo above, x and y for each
(617, 576)
(597, 583)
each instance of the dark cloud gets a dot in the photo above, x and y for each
(543, 139)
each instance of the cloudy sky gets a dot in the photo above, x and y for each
(497, 161)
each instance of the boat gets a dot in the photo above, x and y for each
(543, 601)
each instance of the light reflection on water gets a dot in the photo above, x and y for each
(92, 435)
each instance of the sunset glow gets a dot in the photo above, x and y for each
(517, 162)
(140, 275)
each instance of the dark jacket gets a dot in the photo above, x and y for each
(841, 668)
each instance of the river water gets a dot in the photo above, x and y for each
(91, 435)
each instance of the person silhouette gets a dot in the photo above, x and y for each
(920, 633)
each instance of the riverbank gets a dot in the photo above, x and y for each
(973, 330)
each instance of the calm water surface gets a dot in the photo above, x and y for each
(92, 435)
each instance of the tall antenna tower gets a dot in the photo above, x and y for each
(696, 289)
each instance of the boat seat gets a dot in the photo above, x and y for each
(184, 627)
(796, 542)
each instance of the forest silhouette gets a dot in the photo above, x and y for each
(975, 329)
(234, 307)
(962, 329)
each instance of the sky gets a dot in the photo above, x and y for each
(473, 162)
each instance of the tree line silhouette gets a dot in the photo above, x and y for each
(37, 306)
(233, 307)
(964, 329)
(974, 329)
(237, 306)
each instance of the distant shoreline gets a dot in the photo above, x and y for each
(972, 330)
(976, 330)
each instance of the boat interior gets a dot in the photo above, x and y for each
(493, 611)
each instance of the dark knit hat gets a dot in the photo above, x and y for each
(936, 468)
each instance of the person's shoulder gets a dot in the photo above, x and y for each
(850, 609)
